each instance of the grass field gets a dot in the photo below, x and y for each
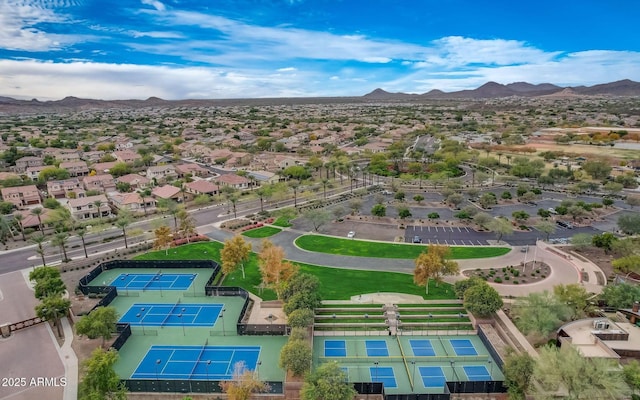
(261, 232)
(336, 283)
(282, 222)
(363, 248)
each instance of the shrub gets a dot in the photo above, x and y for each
(498, 280)
(506, 278)
(515, 282)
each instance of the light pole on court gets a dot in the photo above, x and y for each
(182, 323)
(208, 382)
(376, 374)
(158, 361)
(413, 377)
(141, 322)
(366, 330)
(222, 319)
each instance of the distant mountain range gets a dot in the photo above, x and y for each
(489, 90)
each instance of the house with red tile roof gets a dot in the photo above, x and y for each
(63, 189)
(21, 196)
(86, 208)
(102, 183)
(202, 187)
(233, 180)
(76, 168)
(133, 202)
(135, 181)
(194, 169)
(167, 192)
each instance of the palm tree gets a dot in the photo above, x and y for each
(38, 211)
(39, 240)
(82, 232)
(325, 182)
(53, 308)
(98, 204)
(60, 239)
(295, 185)
(122, 223)
(19, 218)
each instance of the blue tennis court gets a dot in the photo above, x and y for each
(195, 362)
(157, 281)
(179, 314)
(422, 347)
(376, 348)
(477, 373)
(463, 347)
(335, 348)
(432, 377)
(384, 375)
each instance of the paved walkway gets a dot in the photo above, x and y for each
(565, 269)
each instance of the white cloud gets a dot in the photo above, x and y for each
(17, 27)
(287, 69)
(155, 4)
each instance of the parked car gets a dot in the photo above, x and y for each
(351, 234)
(417, 239)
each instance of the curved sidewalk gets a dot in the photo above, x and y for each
(565, 268)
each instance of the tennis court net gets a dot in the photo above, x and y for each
(156, 276)
(195, 365)
(170, 313)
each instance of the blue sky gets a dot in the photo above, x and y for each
(175, 49)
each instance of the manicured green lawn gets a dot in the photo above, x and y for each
(336, 283)
(261, 232)
(363, 248)
(282, 222)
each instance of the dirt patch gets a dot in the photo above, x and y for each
(513, 275)
(598, 257)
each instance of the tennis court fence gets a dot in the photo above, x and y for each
(401, 359)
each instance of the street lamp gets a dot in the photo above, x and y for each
(258, 364)
(207, 367)
(376, 375)
(222, 319)
(413, 377)
(182, 323)
(138, 315)
(158, 361)
(366, 331)
(490, 369)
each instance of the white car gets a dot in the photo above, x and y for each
(351, 234)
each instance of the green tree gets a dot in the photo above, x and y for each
(629, 223)
(597, 169)
(301, 318)
(296, 356)
(540, 314)
(6, 207)
(565, 369)
(82, 232)
(520, 216)
(461, 286)
(235, 252)
(518, 369)
(546, 227)
(52, 308)
(418, 198)
(500, 227)
(630, 263)
(100, 322)
(328, 381)
(317, 217)
(186, 224)
(482, 300)
(120, 169)
(621, 295)
(631, 373)
(404, 212)
(100, 379)
(574, 296)
(301, 292)
(633, 200)
(379, 210)
(487, 200)
(582, 240)
(604, 241)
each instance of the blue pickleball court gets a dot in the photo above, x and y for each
(158, 281)
(214, 363)
(179, 314)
